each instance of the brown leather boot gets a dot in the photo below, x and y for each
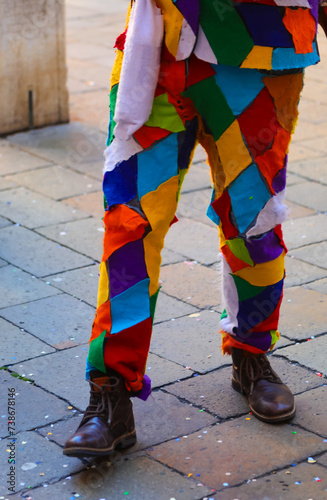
(269, 399)
(108, 422)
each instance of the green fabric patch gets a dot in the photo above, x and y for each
(245, 290)
(95, 356)
(274, 336)
(153, 303)
(238, 248)
(223, 314)
(164, 115)
(211, 104)
(112, 106)
(182, 173)
(225, 31)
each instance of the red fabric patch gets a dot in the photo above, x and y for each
(234, 262)
(228, 342)
(259, 123)
(126, 352)
(120, 41)
(175, 219)
(172, 76)
(222, 206)
(270, 323)
(146, 136)
(198, 70)
(279, 232)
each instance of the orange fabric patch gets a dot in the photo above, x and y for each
(102, 321)
(234, 262)
(228, 342)
(123, 225)
(302, 26)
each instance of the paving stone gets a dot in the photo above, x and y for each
(194, 206)
(303, 313)
(140, 477)
(312, 113)
(38, 456)
(169, 307)
(293, 483)
(6, 184)
(200, 155)
(73, 323)
(3, 263)
(198, 177)
(67, 144)
(92, 107)
(241, 446)
(214, 392)
(18, 287)
(162, 371)
(34, 407)
(84, 236)
(323, 459)
(170, 257)
(13, 160)
(91, 169)
(61, 373)
(305, 130)
(91, 204)
(310, 194)
(314, 169)
(292, 179)
(296, 211)
(31, 255)
(305, 230)
(190, 341)
(319, 286)
(317, 145)
(314, 254)
(59, 432)
(87, 51)
(299, 272)
(192, 283)
(311, 410)
(32, 209)
(195, 240)
(18, 345)
(4, 222)
(56, 182)
(81, 283)
(299, 152)
(310, 354)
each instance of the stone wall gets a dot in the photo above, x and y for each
(33, 89)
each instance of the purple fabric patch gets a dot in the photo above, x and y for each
(264, 249)
(190, 10)
(126, 267)
(279, 181)
(146, 389)
(260, 340)
(314, 8)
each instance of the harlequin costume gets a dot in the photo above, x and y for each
(227, 75)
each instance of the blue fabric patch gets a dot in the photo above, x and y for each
(240, 88)
(211, 213)
(287, 58)
(157, 165)
(130, 307)
(265, 24)
(248, 195)
(89, 368)
(120, 185)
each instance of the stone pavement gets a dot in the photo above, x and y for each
(196, 439)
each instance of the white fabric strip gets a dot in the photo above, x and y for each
(293, 3)
(119, 151)
(203, 50)
(186, 42)
(272, 214)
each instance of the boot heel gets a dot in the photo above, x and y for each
(236, 386)
(127, 441)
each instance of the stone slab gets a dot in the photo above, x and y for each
(190, 341)
(295, 211)
(61, 373)
(214, 392)
(299, 272)
(43, 461)
(313, 254)
(162, 371)
(3, 263)
(4, 222)
(311, 408)
(303, 313)
(311, 169)
(299, 152)
(91, 203)
(197, 178)
(31, 255)
(18, 287)
(200, 155)
(310, 354)
(312, 113)
(318, 145)
(193, 283)
(193, 205)
(18, 345)
(139, 477)
(13, 160)
(170, 257)
(195, 240)
(71, 321)
(319, 286)
(305, 230)
(169, 307)
(56, 182)
(84, 236)
(92, 107)
(65, 145)
(44, 410)
(310, 194)
(92, 169)
(6, 184)
(305, 130)
(289, 484)
(81, 283)
(323, 459)
(34, 210)
(239, 448)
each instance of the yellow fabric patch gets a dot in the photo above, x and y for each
(116, 70)
(264, 274)
(173, 21)
(259, 57)
(103, 288)
(159, 207)
(233, 153)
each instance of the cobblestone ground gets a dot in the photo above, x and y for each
(196, 439)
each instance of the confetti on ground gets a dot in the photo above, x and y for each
(297, 482)
(317, 479)
(311, 460)
(28, 466)
(225, 484)
(194, 315)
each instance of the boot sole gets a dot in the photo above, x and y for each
(269, 420)
(119, 444)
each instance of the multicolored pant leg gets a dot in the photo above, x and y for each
(244, 119)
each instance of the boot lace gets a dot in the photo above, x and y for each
(102, 400)
(254, 368)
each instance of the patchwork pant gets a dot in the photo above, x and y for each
(244, 119)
